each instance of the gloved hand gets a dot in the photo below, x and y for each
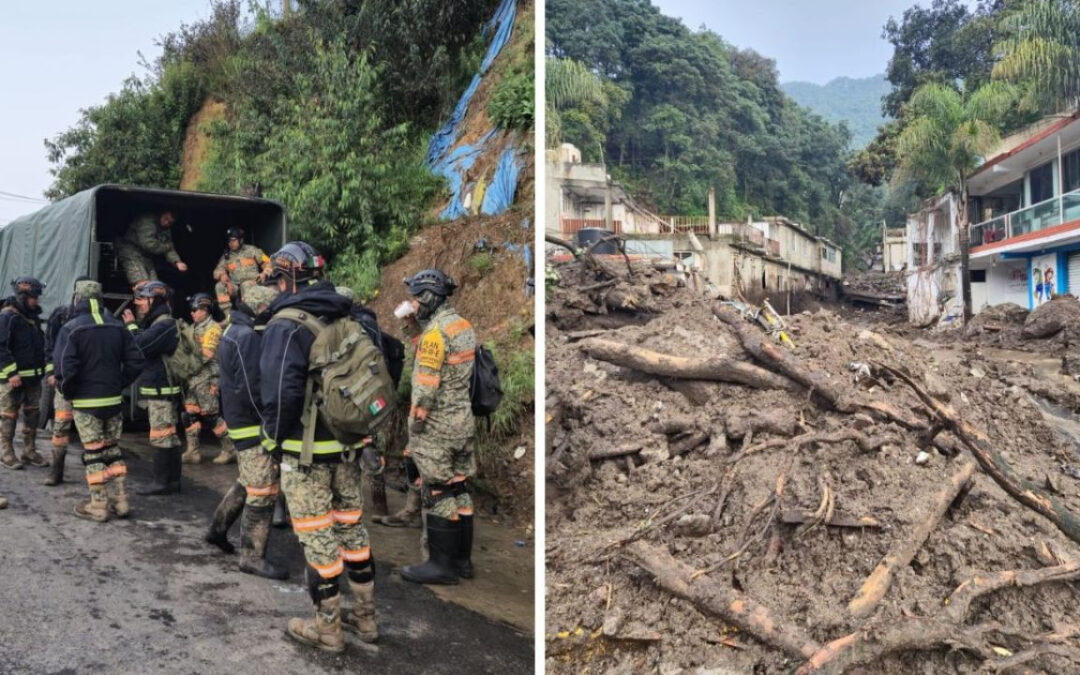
(15, 381)
(416, 426)
(371, 461)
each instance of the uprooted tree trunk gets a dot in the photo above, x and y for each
(716, 368)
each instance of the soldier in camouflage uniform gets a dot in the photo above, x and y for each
(22, 366)
(442, 429)
(96, 359)
(201, 399)
(325, 497)
(62, 412)
(242, 266)
(146, 238)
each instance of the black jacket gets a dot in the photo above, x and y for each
(284, 362)
(156, 338)
(22, 344)
(95, 359)
(56, 320)
(238, 361)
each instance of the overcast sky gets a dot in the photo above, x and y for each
(57, 56)
(810, 41)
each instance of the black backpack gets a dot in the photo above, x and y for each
(393, 350)
(484, 389)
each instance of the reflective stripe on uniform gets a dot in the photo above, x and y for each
(162, 432)
(267, 491)
(427, 380)
(319, 447)
(7, 370)
(94, 403)
(417, 412)
(31, 372)
(49, 367)
(348, 517)
(458, 358)
(329, 571)
(95, 311)
(64, 415)
(358, 555)
(456, 327)
(163, 391)
(268, 444)
(117, 469)
(98, 477)
(220, 429)
(243, 433)
(312, 523)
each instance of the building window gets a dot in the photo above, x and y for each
(1042, 183)
(1072, 170)
(920, 254)
(978, 276)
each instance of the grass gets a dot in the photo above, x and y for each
(482, 263)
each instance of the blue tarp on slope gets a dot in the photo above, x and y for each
(500, 193)
(453, 165)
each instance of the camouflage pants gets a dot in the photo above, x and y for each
(62, 419)
(137, 265)
(200, 403)
(445, 467)
(224, 298)
(26, 398)
(259, 476)
(102, 458)
(326, 502)
(163, 423)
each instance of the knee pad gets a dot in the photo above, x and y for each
(361, 572)
(188, 419)
(319, 588)
(412, 472)
(445, 491)
(461, 488)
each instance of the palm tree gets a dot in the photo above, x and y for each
(1040, 52)
(946, 138)
(569, 83)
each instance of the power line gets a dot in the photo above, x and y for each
(12, 195)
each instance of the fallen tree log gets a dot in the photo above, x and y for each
(903, 550)
(865, 443)
(716, 368)
(609, 453)
(727, 603)
(803, 516)
(1027, 493)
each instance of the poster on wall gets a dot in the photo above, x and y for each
(1044, 276)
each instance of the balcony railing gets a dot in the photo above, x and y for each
(570, 226)
(1045, 214)
(741, 232)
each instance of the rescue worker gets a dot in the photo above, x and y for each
(146, 238)
(442, 429)
(157, 336)
(22, 367)
(241, 266)
(255, 491)
(62, 412)
(201, 396)
(325, 499)
(96, 359)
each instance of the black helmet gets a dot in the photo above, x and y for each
(152, 289)
(201, 301)
(436, 281)
(27, 286)
(234, 233)
(297, 259)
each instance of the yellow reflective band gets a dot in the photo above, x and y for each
(164, 391)
(243, 432)
(95, 311)
(133, 327)
(31, 372)
(318, 447)
(268, 444)
(7, 370)
(48, 367)
(97, 402)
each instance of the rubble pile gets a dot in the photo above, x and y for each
(873, 282)
(1052, 329)
(717, 500)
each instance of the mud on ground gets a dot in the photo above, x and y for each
(606, 614)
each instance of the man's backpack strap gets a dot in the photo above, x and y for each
(311, 412)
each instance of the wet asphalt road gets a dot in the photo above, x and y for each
(147, 595)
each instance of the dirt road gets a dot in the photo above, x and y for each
(147, 595)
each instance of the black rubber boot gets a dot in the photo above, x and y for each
(176, 464)
(226, 513)
(464, 557)
(162, 471)
(281, 512)
(254, 531)
(443, 540)
(378, 496)
(56, 469)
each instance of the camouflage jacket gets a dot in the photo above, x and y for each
(442, 371)
(242, 265)
(208, 335)
(149, 237)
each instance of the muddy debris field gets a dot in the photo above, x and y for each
(863, 502)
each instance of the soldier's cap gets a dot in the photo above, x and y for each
(256, 295)
(345, 292)
(87, 288)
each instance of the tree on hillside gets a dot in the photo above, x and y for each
(568, 84)
(947, 136)
(1040, 51)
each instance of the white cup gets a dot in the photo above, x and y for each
(403, 310)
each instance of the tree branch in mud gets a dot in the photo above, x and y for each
(558, 241)
(903, 550)
(995, 466)
(865, 443)
(716, 368)
(727, 603)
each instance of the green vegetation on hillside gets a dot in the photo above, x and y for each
(854, 101)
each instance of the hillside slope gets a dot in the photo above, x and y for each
(856, 101)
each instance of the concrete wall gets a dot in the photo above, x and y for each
(1006, 281)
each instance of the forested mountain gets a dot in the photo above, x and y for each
(854, 101)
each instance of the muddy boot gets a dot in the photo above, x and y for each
(408, 516)
(7, 445)
(228, 452)
(379, 509)
(118, 499)
(97, 509)
(30, 455)
(361, 618)
(254, 531)
(443, 539)
(464, 557)
(281, 512)
(56, 469)
(226, 513)
(192, 455)
(324, 630)
(162, 473)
